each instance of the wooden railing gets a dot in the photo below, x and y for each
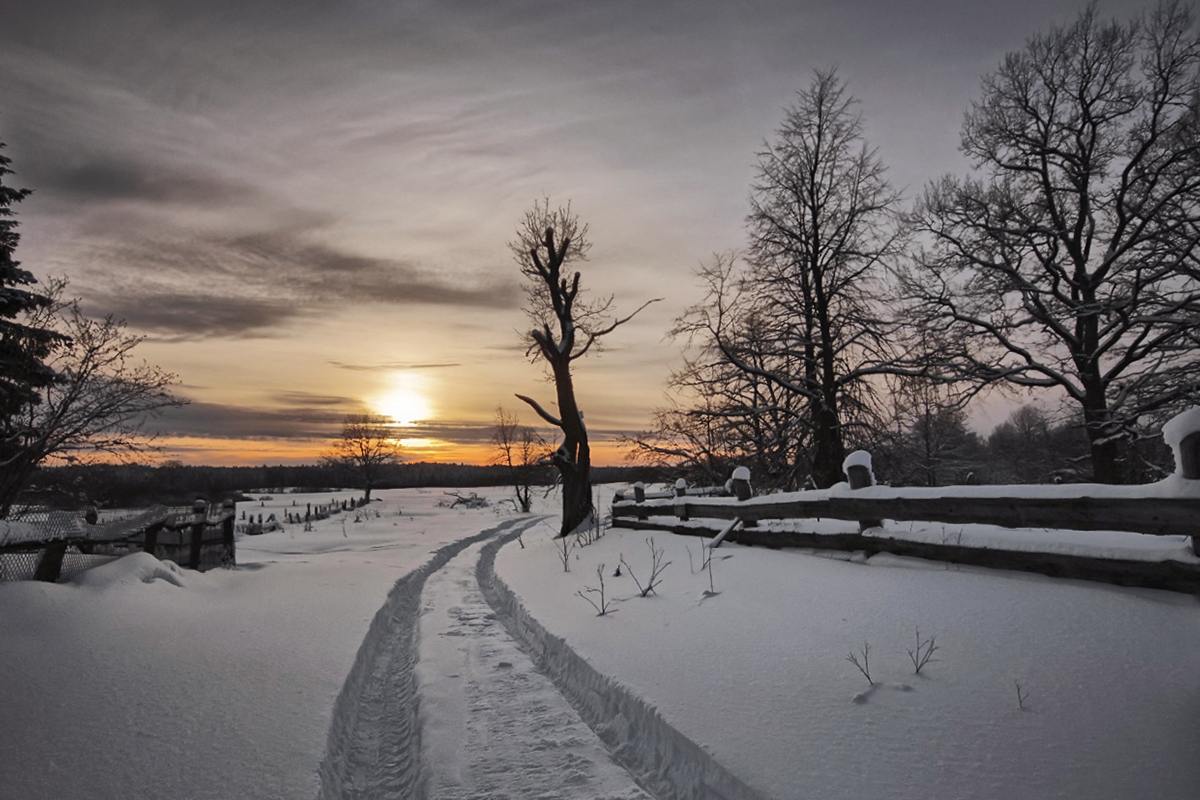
(1171, 508)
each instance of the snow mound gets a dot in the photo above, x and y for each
(130, 569)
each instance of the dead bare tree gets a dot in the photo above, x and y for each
(549, 242)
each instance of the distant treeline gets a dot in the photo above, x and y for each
(172, 483)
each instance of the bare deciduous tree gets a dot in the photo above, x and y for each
(368, 443)
(550, 245)
(99, 402)
(521, 450)
(823, 225)
(1068, 260)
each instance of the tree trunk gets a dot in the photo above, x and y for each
(1106, 451)
(574, 457)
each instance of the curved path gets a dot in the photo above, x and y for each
(458, 694)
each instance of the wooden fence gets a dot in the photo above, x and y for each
(1082, 507)
(199, 538)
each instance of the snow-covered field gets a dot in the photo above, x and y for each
(142, 680)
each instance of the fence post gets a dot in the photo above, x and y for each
(49, 567)
(681, 499)
(200, 510)
(740, 483)
(1182, 433)
(150, 539)
(230, 557)
(857, 467)
(639, 492)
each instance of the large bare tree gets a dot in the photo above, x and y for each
(1068, 260)
(549, 247)
(822, 228)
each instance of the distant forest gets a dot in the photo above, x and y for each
(135, 485)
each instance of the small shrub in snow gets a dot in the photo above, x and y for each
(862, 660)
(564, 552)
(656, 569)
(708, 563)
(1022, 695)
(924, 652)
(603, 605)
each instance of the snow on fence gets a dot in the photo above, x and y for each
(58, 545)
(1170, 508)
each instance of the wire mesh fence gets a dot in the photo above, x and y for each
(54, 545)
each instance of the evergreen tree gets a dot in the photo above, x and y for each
(23, 348)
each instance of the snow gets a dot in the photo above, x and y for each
(859, 458)
(757, 671)
(361, 655)
(1179, 427)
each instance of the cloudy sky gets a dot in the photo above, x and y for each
(304, 205)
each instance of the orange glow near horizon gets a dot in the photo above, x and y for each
(195, 451)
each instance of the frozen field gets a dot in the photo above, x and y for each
(374, 658)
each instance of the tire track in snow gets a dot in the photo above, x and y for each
(374, 742)
(661, 759)
(492, 726)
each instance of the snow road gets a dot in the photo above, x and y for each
(445, 700)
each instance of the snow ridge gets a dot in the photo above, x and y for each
(375, 735)
(662, 760)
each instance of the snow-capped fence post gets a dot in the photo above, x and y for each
(199, 521)
(1182, 433)
(681, 499)
(859, 474)
(740, 484)
(639, 492)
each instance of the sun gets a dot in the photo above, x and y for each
(406, 405)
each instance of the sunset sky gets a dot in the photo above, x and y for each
(304, 205)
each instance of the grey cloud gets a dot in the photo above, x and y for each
(174, 315)
(251, 285)
(292, 398)
(219, 421)
(120, 179)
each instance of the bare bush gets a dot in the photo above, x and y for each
(657, 565)
(564, 545)
(604, 604)
(1022, 695)
(923, 653)
(862, 660)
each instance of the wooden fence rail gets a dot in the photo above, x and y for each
(1160, 516)
(1172, 509)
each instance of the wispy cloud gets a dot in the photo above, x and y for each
(394, 366)
(188, 285)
